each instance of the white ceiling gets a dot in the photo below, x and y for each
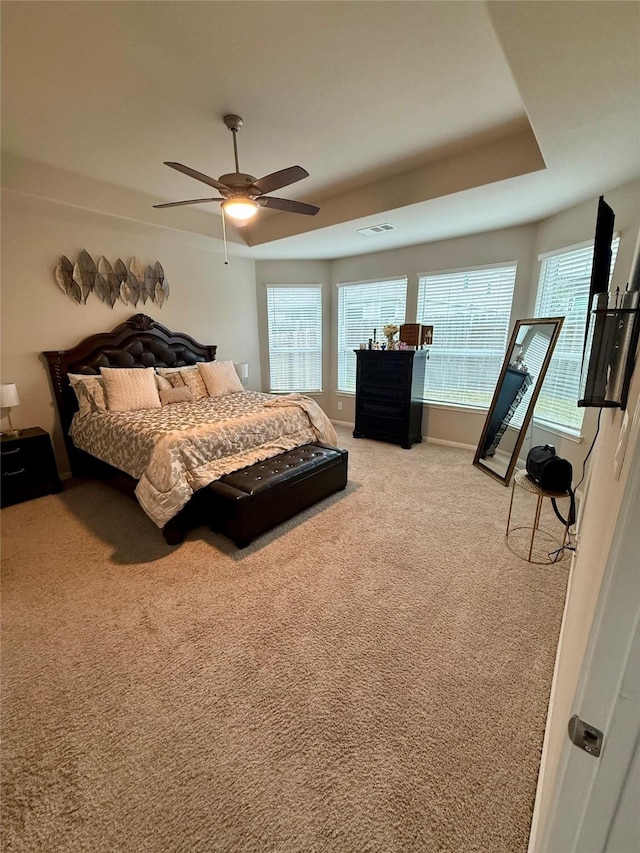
(442, 118)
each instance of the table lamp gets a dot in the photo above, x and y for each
(8, 399)
(242, 370)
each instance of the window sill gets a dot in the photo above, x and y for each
(456, 407)
(564, 432)
(306, 393)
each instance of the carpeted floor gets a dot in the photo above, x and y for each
(372, 676)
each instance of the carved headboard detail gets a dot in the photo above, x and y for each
(138, 342)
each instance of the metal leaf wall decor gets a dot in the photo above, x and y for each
(111, 283)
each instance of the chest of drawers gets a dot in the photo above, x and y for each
(28, 466)
(389, 390)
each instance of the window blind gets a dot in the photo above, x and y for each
(535, 355)
(469, 311)
(295, 338)
(563, 291)
(362, 308)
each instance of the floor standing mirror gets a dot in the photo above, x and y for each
(523, 371)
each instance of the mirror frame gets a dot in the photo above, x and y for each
(533, 321)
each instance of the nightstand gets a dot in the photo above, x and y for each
(28, 466)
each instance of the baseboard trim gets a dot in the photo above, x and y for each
(446, 443)
(425, 438)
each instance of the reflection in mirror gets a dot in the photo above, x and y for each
(523, 371)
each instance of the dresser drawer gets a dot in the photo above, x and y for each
(27, 467)
(387, 428)
(394, 394)
(373, 409)
(390, 372)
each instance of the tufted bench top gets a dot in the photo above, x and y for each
(247, 503)
(281, 469)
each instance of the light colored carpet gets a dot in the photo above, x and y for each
(372, 676)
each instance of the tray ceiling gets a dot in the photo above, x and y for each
(442, 118)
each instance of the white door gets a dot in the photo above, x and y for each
(597, 803)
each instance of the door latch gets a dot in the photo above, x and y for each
(585, 736)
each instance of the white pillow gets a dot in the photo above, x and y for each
(89, 391)
(189, 376)
(176, 395)
(130, 388)
(220, 378)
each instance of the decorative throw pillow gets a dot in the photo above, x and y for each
(194, 382)
(189, 376)
(176, 395)
(130, 388)
(162, 383)
(171, 375)
(90, 392)
(220, 378)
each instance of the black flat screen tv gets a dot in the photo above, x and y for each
(601, 267)
(611, 333)
(594, 373)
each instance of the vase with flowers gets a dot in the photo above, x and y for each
(390, 332)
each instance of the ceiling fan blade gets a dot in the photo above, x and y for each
(198, 175)
(190, 201)
(288, 204)
(277, 180)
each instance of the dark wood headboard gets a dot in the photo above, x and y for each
(138, 342)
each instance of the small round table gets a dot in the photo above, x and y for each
(523, 480)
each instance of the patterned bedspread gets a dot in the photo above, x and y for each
(175, 450)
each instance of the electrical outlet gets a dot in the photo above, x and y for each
(339, 405)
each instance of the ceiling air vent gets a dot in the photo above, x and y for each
(377, 229)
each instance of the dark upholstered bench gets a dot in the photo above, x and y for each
(246, 503)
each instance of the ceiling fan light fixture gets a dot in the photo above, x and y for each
(241, 209)
(241, 195)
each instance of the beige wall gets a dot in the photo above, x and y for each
(523, 244)
(443, 423)
(512, 244)
(227, 304)
(212, 302)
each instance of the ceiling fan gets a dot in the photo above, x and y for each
(243, 195)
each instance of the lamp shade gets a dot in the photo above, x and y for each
(9, 396)
(242, 370)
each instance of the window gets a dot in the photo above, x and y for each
(563, 291)
(469, 311)
(295, 338)
(362, 308)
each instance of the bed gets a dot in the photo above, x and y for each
(177, 459)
